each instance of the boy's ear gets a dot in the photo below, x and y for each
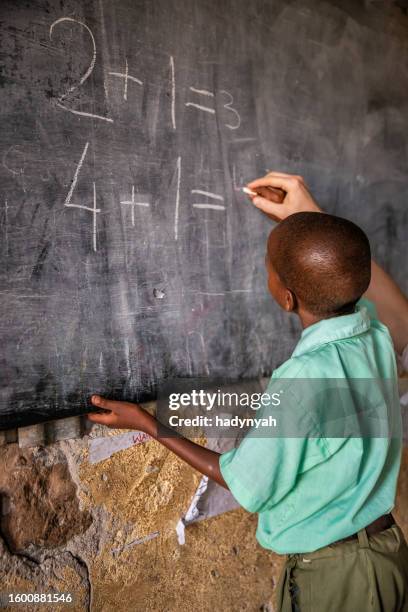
(291, 302)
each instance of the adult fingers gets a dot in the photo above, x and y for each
(270, 208)
(287, 184)
(274, 194)
(285, 175)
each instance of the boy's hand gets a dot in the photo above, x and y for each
(120, 415)
(277, 205)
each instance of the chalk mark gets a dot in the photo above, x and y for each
(207, 109)
(83, 113)
(234, 178)
(203, 92)
(208, 194)
(216, 293)
(210, 206)
(173, 92)
(204, 352)
(176, 214)
(127, 77)
(84, 77)
(94, 210)
(76, 173)
(132, 203)
(6, 224)
(228, 106)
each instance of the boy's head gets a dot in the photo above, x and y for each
(318, 263)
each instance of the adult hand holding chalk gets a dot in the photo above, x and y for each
(280, 195)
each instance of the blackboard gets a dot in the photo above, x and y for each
(129, 253)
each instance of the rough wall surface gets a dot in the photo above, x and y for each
(106, 532)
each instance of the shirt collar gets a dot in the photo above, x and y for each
(335, 328)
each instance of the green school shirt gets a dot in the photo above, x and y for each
(331, 467)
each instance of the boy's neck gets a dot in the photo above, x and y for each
(307, 318)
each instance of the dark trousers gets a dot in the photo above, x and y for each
(365, 575)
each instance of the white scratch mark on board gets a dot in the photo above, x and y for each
(6, 228)
(210, 293)
(234, 178)
(204, 351)
(173, 92)
(126, 80)
(248, 139)
(127, 351)
(23, 296)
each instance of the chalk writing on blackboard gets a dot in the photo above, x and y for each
(84, 77)
(68, 202)
(210, 195)
(203, 99)
(173, 92)
(228, 105)
(126, 77)
(176, 214)
(132, 203)
(211, 109)
(202, 92)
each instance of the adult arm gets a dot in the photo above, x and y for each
(391, 305)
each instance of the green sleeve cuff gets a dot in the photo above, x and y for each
(239, 491)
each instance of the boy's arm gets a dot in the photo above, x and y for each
(124, 415)
(390, 302)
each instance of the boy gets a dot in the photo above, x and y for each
(322, 499)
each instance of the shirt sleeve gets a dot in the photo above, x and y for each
(260, 472)
(263, 469)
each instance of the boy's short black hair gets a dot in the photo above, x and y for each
(323, 259)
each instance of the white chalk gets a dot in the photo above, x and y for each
(249, 191)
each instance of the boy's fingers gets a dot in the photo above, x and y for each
(96, 417)
(106, 404)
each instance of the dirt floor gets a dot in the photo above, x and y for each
(106, 532)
